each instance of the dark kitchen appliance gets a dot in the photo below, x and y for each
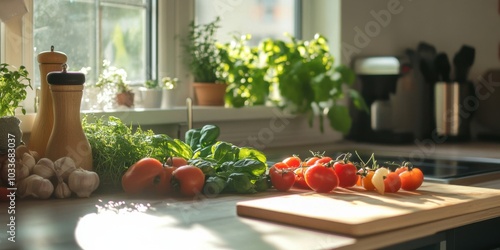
(391, 94)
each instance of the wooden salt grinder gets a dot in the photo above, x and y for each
(44, 119)
(67, 137)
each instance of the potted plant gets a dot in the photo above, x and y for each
(13, 84)
(113, 82)
(202, 57)
(310, 83)
(151, 94)
(245, 73)
(168, 86)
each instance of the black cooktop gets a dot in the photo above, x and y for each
(445, 169)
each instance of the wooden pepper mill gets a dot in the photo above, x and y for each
(67, 137)
(44, 120)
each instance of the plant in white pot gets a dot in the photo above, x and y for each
(168, 87)
(13, 84)
(151, 94)
(202, 57)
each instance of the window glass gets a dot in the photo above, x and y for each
(90, 31)
(260, 18)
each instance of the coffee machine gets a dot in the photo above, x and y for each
(390, 90)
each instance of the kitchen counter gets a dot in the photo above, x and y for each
(117, 221)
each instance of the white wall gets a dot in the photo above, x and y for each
(447, 24)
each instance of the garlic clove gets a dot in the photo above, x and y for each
(62, 190)
(64, 166)
(28, 160)
(44, 168)
(83, 182)
(35, 155)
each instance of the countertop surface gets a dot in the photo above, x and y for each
(117, 221)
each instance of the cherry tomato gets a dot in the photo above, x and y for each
(392, 182)
(281, 178)
(281, 165)
(366, 176)
(411, 178)
(310, 161)
(300, 181)
(347, 173)
(324, 160)
(293, 161)
(188, 180)
(321, 179)
(147, 175)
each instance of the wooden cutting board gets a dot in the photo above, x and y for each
(357, 212)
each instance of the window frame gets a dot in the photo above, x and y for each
(172, 18)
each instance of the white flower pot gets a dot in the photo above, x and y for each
(151, 98)
(168, 100)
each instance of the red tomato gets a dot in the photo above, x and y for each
(188, 180)
(347, 173)
(176, 161)
(324, 160)
(281, 165)
(281, 178)
(411, 178)
(147, 175)
(321, 179)
(293, 161)
(310, 161)
(300, 181)
(392, 182)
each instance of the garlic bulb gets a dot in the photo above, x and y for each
(62, 190)
(36, 186)
(44, 168)
(64, 166)
(83, 182)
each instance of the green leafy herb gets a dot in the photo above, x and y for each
(116, 147)
(13, 84)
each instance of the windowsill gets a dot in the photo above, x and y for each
(176, 115)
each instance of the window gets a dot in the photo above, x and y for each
(90, 31)
(260, 18)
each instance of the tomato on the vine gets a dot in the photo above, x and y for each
(392, 182)
(188, 180)
(300, 181)
(365, 178)
(321, 178)
(281, 178)
(147, 175)
(347, 173)
(176, 161)
(293, 161)
(411, 177)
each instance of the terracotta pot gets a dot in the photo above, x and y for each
(125, 99)
(209, 94)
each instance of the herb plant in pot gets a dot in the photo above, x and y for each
(113, 83)
(151, 94)
(310, 83)
(13, 84)
(202, 57)
(246, 74)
